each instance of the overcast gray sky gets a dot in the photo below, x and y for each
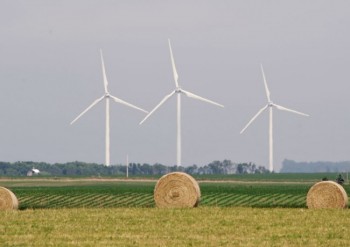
(50, 72)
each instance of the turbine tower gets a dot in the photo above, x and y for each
(178, 91)
(107, 96)
(270, 106)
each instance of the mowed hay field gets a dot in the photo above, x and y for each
(111, 212)
(203, 226)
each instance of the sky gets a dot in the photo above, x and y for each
(50, 71)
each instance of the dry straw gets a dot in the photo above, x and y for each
(8, 200)
(327, 194)
(177, 190)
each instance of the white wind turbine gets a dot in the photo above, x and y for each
(270, 105)
(106, 96)
(178, 91)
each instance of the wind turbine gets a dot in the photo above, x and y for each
(178, 91)
(107, 96)
(270, 106)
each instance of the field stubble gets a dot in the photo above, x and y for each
(204, 226)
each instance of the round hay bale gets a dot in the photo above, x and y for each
(8, 200)
(177, 190)
(327, 194)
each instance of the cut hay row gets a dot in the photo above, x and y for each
(262, 201)
(41, 200)
(109, 201)
(274, 200)
(146, 200)
(297, 201)
(54, 201)
(223, 199)
(92, 200)
(79, 200)
(106, 200)
(136, 200)
(88, 200)
(277, 198)
(85, 201)
(287, 199)
(245, 200)
(252, 201)
(115, 201)
(126, 199)
(75, 201)
(27, 199)
(268, 200)
(30, 198)
(238, 198)
(146, 204)
(235, 201)
(208, 199)
(215, 198)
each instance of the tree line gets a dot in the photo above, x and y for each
(291, 166)
(77, 168)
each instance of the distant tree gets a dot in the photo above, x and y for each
(240, 168)
(77, 168)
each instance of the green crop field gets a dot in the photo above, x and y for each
(264, 191)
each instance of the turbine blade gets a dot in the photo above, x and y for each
(194, 96)
(265, 83)
(290, 110)
(105, 81)
(126, 103)
(176, 76)
(90, 106)
(160, 103)
(256, 115)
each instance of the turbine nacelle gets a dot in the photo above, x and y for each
(270, 104)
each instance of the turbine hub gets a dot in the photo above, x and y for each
(178, 90)
(270, 104)
(107, 95)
